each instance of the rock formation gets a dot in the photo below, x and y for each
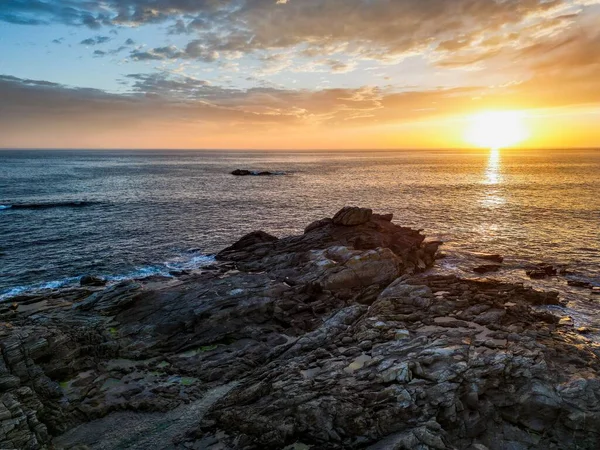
(335, 339)
(256, 173)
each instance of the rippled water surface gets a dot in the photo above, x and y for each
(122, 213)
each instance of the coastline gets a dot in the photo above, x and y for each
(337, 338)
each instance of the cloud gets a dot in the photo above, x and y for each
(194, 50)
(163, 109)
(163, 85)
(340, 66)
(457, 34)
(379, 29)
(157, 54)
(96, 40)
(70, 12)
(181, 97)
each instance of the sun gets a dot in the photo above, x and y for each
(496, 129)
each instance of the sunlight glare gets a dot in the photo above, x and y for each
(496, 129)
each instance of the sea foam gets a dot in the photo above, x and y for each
(183, 262)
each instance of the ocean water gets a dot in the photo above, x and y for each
(131, 213)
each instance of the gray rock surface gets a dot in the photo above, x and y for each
(335, 339)
(352, 215)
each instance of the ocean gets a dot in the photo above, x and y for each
(126, 214)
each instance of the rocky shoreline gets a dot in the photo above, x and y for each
(338, 338)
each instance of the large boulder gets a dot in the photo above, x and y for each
(352, 215)
(354, 228)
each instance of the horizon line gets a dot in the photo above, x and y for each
(239, 149)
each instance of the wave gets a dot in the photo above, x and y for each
(39, 287)
(166, 269)
(47, 205)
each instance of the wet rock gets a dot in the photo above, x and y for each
(566, 321)
(91, 280)
(542, 271)
(487, 268)
(179, 273)
(494, 257)
(536, 274)
(579, 283)
(258, 173)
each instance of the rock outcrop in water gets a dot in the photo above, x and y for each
(255, 173)
(335, 339)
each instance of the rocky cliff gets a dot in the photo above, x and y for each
(334, 339)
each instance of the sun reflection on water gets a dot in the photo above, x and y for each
(492, 173)
(493, 178)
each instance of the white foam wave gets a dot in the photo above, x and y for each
(39, 287)
(184, 262)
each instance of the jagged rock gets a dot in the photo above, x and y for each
(335, 339)
(352, 215)
(318, 224)
(281, 256)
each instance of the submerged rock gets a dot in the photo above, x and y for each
(334, 339)
(91, 280)
(542, 271)
(256, 173)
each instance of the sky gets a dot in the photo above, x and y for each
(295, 74)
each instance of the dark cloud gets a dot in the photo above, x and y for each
(96, 40)
(129, 42)
(194, 50)
(156, 54)
(162, 84)
(188, 27)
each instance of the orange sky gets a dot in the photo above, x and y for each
(291, 75)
